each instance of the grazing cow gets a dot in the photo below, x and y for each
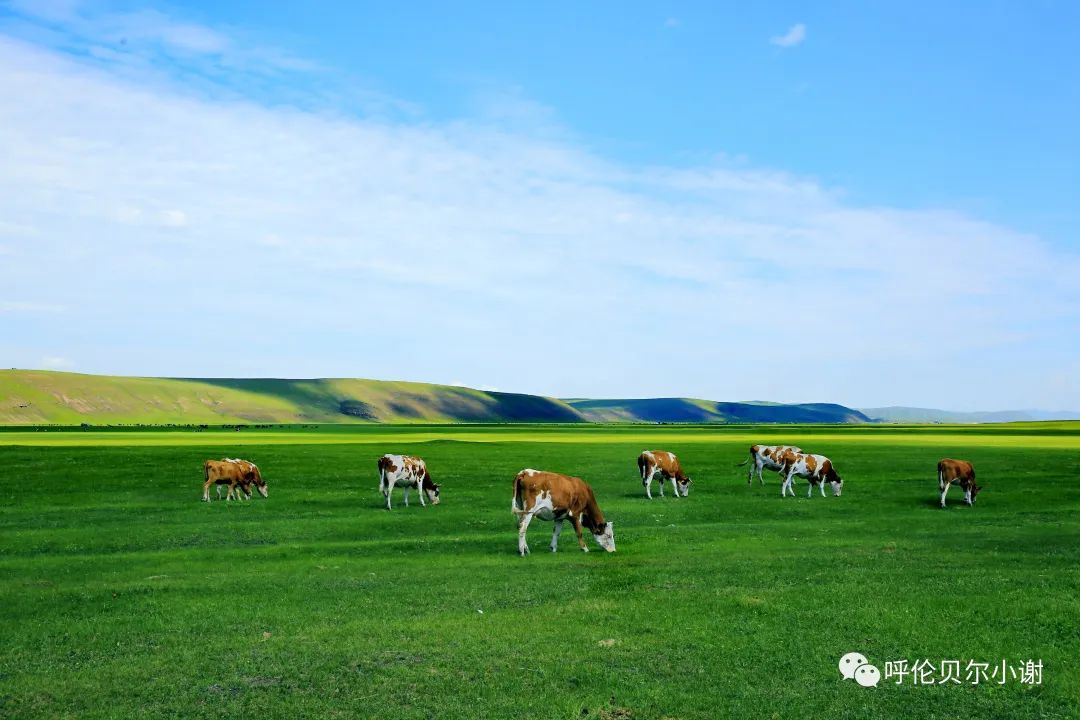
(817, 469)
(406, 472)
(550, 496)
(660, 462)
(766, 456)
(237, 474)
(957, 472)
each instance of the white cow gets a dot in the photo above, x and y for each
(406, 472)
(766, 456)
(817, 469)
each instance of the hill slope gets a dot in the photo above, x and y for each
(898, 414)
(693, 410)
(33, 396)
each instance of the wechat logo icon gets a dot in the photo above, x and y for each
(855, 666)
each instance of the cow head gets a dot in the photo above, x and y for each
(254, 477)
(835, 480)
(431, 489)
(974, 492)
(682, 485)
(604, 534)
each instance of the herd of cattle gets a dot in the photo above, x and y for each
(556, 498)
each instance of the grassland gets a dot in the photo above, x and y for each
(123, 596)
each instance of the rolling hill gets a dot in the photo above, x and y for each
(706, 411)
(37, 396)
(897, 414)
(31, 397)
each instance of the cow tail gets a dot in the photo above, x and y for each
(206, 472)
(743, 462)
(641, 469)
(382, 475)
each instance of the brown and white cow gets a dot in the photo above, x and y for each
(660, 462)
(766, 456)
(551, 496)
(237, 474)
(817, 469)
(957, 472)
(406, 472)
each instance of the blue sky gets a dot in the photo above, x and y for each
(869, 204)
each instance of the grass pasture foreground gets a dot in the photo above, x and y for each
(124, 596)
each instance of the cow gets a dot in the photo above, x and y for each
(957, 472)
(237, 474)
(551, 496)
(660, 462)
(406, 472)
(817, 469)
(766, 456)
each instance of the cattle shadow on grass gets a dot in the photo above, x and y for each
(934, 503)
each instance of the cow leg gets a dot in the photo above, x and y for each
(944, 492)
(386, 492)
(406, 491)
(523, 526)
(822, 486)
(810, 489)
(577, 529)
(555, 536)
(967, 496)
(218, 489)
(420, 492)
(206, 491)
(661, 484)
(648, 484)
(674, 486)
(761, 480)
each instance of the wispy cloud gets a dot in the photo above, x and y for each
(55, 362)
(22, 306)
(791, 38)
(489, 252)
(130, 33)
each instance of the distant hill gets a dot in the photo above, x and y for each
(30, 397)
(930, 415)
(37, 396)
(705, 411)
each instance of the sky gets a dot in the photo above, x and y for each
(870, 204)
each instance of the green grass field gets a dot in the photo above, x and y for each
(124, 596)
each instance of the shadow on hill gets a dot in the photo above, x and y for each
(686, 410)
(318, 399)
(646, 410)
(802, 413)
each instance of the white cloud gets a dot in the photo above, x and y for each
(55, 362)
(791, 38)
(324, 245)
(22, 306)
(140, 39)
